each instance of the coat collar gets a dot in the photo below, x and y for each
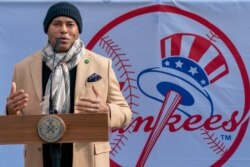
(35, 67)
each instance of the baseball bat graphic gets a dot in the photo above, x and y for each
(171, 101)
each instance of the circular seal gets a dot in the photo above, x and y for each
(51, 128)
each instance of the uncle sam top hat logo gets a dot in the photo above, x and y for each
(190, 63)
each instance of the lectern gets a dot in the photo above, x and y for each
(70, 128)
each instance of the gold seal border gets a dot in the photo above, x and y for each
(56, 137)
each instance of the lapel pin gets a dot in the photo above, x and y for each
(86, 61)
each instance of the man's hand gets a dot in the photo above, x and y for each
(86, 104)
(16, 101)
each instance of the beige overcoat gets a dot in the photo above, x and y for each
(28, 76)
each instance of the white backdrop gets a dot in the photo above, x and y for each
(198, 49)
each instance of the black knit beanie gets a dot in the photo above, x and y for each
(62, 9)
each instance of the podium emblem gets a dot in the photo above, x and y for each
(51, 128)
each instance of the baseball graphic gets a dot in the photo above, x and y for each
(182, 66)
(175, 88)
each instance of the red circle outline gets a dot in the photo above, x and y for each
(228, 43)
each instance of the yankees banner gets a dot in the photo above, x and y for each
(183, 67)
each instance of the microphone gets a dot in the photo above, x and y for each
(55, 49)
(57, 44)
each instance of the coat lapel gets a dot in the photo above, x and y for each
(82, 73)
(35, 67)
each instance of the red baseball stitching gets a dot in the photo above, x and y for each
(215, 144)
(212, 36)
(121, 63)
(116, 147)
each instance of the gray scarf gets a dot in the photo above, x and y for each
(61, 78)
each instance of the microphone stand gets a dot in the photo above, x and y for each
(55, 149)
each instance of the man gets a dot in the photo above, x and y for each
(82, 81)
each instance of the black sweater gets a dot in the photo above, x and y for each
(66, 148)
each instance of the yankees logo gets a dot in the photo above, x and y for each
(181, 85)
